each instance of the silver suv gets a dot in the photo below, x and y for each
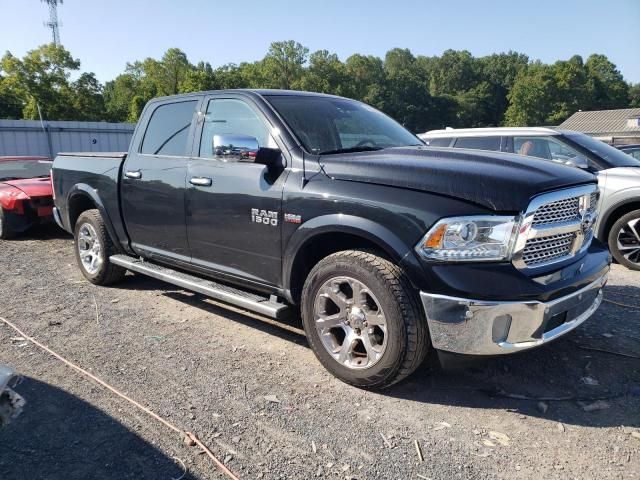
(618, 174)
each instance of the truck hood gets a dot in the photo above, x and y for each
(499, 181)
(33, 187)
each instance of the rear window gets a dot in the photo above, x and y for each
(168, 129)
(479, 143)
(438, 142)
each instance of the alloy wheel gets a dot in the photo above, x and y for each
(350, 322)
(629, 240)
(89, 248)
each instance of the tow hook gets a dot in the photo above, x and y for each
(11, 403)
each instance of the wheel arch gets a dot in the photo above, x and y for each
(81, 198)
(329, 234)
(614, 214)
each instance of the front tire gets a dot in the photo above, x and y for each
(363, 320)
(624, 240)
(93, 248)
(6, 232)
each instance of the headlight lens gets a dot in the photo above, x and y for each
(486, 238)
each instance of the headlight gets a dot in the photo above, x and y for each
(456, 239)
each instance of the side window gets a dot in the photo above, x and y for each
(479, 143)
(232, 117)
(168, 129)
(438, 142)
(549, 148)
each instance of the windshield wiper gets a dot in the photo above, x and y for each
(351, 150)
(8, 179)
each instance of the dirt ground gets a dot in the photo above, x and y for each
(255, 394)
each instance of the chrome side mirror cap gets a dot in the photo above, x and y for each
(242, 148)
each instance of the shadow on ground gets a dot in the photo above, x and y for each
(561, 381)
(59, 436)
(49, 231)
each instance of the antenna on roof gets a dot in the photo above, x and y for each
(53, 23)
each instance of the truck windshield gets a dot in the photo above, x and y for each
(612, 156)
(18, 170)
(326, 125)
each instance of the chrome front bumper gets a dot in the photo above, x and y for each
(479, 327)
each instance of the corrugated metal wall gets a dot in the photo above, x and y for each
(28, 137)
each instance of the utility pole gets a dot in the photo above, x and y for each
(53, 23)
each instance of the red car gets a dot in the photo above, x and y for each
(26, 196)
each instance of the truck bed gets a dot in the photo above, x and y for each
(94, 175)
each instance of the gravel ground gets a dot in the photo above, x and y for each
(255, 394)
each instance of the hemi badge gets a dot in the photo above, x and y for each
(292, 218)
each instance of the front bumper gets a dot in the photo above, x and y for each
(483, 327)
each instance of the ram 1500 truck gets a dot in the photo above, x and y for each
(277, 200)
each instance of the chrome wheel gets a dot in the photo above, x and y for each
(629, 240)
(89, 248)
(350, 322)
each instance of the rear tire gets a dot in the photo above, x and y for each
(363, 320)
(5, 229)
(624, 240)
(93, 248)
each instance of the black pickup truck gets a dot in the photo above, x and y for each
(276, 200)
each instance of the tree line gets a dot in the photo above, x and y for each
(455, 89)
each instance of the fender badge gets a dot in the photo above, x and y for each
(292, 218)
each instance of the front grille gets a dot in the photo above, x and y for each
(558, 212)
(556, 229)
(564, 210)
(545, 249)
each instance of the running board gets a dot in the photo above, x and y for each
(234, 296)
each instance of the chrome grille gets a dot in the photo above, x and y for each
(556, 226)
(558, 212)
(544, 249)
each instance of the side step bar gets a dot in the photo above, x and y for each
(239, 298)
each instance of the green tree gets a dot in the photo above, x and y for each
(532, 96)
(365, 79)
(87, 98)
(326, 73)
(499, 71)
(283, 66)
(634, 95)
(609, 90)
(41, 78)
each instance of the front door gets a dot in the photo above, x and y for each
(234, 208)
(153, 182)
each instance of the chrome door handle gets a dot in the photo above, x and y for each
(201, 181)
(137, 175)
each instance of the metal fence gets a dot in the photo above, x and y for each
(32, 137)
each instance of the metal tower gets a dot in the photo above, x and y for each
(53, 23)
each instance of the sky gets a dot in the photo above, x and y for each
(105, 35)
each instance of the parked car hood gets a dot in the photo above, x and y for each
(34, 187)
(499, 181)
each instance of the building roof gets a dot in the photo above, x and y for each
(603, 122)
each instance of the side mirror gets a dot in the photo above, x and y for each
(578, 162)
(236, 147)
(244, 148)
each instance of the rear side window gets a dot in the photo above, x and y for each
(438, 142)
(168, 129)
(479, 143)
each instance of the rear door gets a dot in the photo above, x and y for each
(234, 219)
(154, 178)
